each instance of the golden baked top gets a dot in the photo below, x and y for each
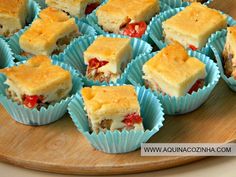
(11, 7)
(37, 75)
(53, 15)
(110, 99)
(232, 31)
(174, 65)
(106, 48)
(131, 8)
(42, 35)
(196, 20)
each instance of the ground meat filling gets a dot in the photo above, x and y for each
(228, 64)
(62, 43)
(198, 85)
(129, 123)
(93, 73)
(28, 101)
(106, 124)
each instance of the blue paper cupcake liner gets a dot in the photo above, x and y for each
(33, 11)
(41, 3)
(93, 21)
(84, 29)
(218, 47)
(43, 116)
(184, 104)
(155, 29)
(73, 55)
(121, 141)
(7, 59)
(181, 3)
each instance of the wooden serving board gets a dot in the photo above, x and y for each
(60, 148)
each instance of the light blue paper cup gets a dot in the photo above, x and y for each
(155, 29)
(73, 55)
(7, 58)
(93, 21)
(184, 104)
(121, 141)
(181, 3)
(217, 47)
(85, 30)
(43, 116)
(33, 11)
(41, 3)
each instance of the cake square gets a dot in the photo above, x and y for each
(120, 112)
(199, 23)
(107, 58)
(13, 15)
(49, 34)
(38, 77)
(117, 14)
(77, 8)
(173, 72)
(229, 53)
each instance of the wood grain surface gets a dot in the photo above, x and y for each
(60, 148)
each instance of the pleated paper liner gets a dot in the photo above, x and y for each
(184, 104)
(33, 11)
(84, 29)
(121, 141)
(155, 29)
(181, 3)
(43, 116)
(41, 3)
(93, 21)
(218, 47)
(7, 58)
(73, 55)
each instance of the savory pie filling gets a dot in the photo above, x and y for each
(60, 46)
(93, 71)
(154, 86)
(128, 122)
(229, 64)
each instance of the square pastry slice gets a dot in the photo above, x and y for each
(193, 26)
(37, 82)
(107, 58)
(13, 15)
(229, 53)
(77, 8)
(49, 34)
(173, 72)
(112, 108)
(127, 16)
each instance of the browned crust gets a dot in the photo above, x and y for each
(230, 70)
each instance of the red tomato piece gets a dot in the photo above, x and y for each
(196, 86)
(135, 29)
(95, 63)
(91, 7)
(31, 101)
(132, 119)
(192, 47)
